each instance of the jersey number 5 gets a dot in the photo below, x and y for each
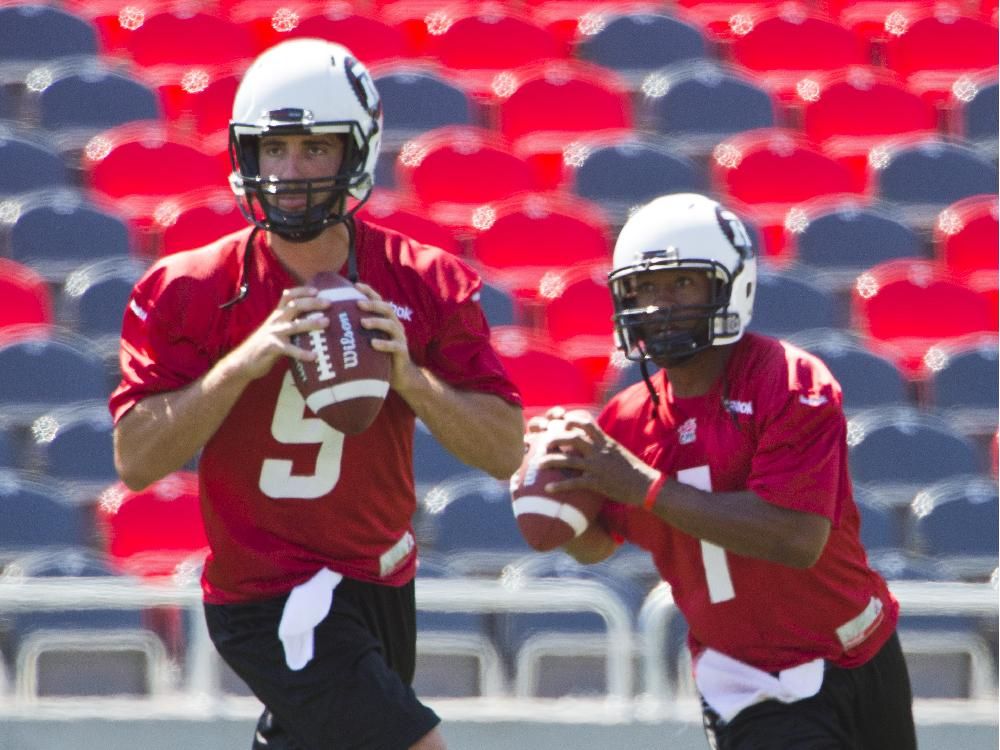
(713, 557)
(290, 426)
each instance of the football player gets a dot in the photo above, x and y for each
(729, 465)
(308, 586)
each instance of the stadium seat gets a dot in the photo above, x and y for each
(137, 166)
(838, 238)
(762, 174)
(935, 46)
(43, 372)
(25, 300)
(915, 305)
(416, 100)
(185, 221)
(926, 175)
(788, 43)
(432, 462)
(150, 39)
(500, 306)
(532, 234)
(481, 45)
(82, 652)
(73, 444)
(848, 112)
(28, 163)
(962, 385)
(9, 450)
(975, 107)
(35, 33)
(403, 214)
(697, 104)
(966, 236)
(955, 522)
(544, 377)
(58, 230)
(637, 43)
(551, 105)
(199, 102)
(788, 301)
(81, 97)
(576, 303)
(153, 532)
(38, 515)
(896, 451)
(453, 171)
(868, 379)
(473, 524)
(881, 524)
(621, 374)
(619, 176)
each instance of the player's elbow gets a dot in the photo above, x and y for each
(806, 547)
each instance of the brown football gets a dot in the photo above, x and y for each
(347, 383)
(548, 520)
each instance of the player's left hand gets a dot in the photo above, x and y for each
(384, 319)
(605, 465)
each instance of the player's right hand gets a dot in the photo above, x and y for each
(255, 357)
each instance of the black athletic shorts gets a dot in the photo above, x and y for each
(865, 708)
(355, 692)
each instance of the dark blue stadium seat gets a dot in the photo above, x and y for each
(96, 294)
(499, 305)
(59, 230)
(964, 386)
(935, 173)
(881, 523)
(39, 374)
(8, 449)
(788, 302)
(75, 445)
(979, 114)
(619, 176)
(867, 379)
(32, 33)
(698, 104)
(898, 450)
(635, 44)
(89, 96)
(432, 463)
(415, 101)
(27, 164)
(845, 237)
(37, 514)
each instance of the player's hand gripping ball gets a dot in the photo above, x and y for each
(348, 381)
(548, 520)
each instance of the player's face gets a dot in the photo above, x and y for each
(300, 157)
(673, 291)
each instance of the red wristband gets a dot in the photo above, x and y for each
(654, 491)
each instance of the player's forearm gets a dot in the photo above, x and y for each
(480, 429)
(163, 432)
(743, 523)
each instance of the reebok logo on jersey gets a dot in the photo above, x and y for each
(813, 400)
(687, 433)
(739, 407)
(403, 313)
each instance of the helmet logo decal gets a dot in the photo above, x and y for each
(363, 86)
(735, 232)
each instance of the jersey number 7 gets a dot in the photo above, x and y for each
(713, 557)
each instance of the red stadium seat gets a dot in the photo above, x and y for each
(771, 170)
(25, 301)
(914, 305)
(544, 377)
(532, 234)
(966, 235)
(192, 220)
(577, 308)
(552, 104)
(786, 44)
(159, 37)
(153, 532)
(935, 47)
(200, 101)
(724, 20)
(398, 213)
(136, 167)
(484, 44)
(455, 170)
(850, 111)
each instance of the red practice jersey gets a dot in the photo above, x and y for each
(773, 424)
(282, 493)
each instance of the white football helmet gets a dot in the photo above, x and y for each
(682, 231)
(305, 86)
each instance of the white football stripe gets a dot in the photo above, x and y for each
(335, 394)
(340, 294)
(544, 506)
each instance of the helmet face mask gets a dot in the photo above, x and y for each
(298, 88)
(691, 233)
